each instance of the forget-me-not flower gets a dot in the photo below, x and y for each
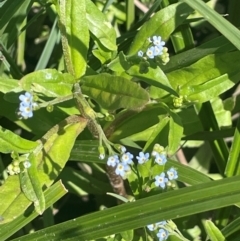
(158, 50)
(26, 99)
(112, 160)
(162, 234)
(157, 41)
(142, 158)
(161, 180)
(122, 169)
(172, 174)
(160, 159)
(26, 105)
(126, 158)
(154, 226)
(26, 111)
(151, 52)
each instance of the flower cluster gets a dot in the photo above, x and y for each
(161, 180)
(162, 233)
(26, 105)
(178, 101)
(159, 156)
(121, 163)
(155, 49)
(16, 165)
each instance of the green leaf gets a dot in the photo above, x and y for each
(231, 228)
(207, 78)
(99, 26)
(86, 183)
(169, 205)
(205, 73)
(53, 194)
(11, 142)
(47, 52)
(49, 82)
(208, 90)
(218, 21)
(114, 92)
(222, 115)
(31, 186)
(57, 147)
(175, 133)
(50, 161)
(213, 232)
(187, 174)
(163, 23)
(102, 54)
(11, 196)
(217, 45)
(154, 77)
(232, 167)
(126, 122)
(127, 235)
(77, 35)
(10, 8)
(206, 69)
(6, 84)
(156, 130)
(86, 150)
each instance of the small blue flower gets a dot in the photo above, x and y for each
(160, 159)
(157, 41)
(126, 158)
(140, 53)
(151, 52)
(158, 50)
(162, 234)
(112, 160)
(161, 223)
(25, 110)
(142, 158)
(122, 169)
(172, 174)
(26, 105)
(161, 180)
(26, 99)
(152, 227)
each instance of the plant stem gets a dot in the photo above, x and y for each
(56, 101)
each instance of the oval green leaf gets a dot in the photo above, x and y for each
(213, 232)
(31, 185)
(6, 85)
(11, 142)
(114, 92)
(99, 26)
(163, 23)
(154, 77)
(49, 82)
(77, 35)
